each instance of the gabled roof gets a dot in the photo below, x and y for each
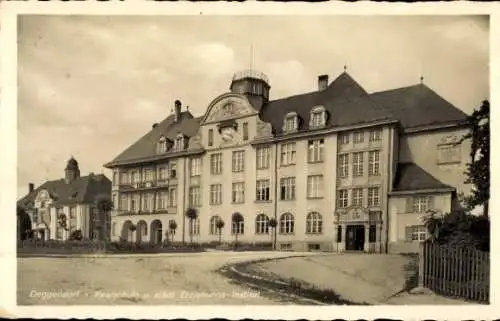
(418, 105)
(84, 189)
(345, 101)
(411, 177)
(169, 128)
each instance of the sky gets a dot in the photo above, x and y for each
(90, 86)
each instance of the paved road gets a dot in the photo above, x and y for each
(136, 279)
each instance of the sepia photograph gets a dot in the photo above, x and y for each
(253, 160)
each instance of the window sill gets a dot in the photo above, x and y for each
(315, 197)
(287, 165)
(237, 203)
(374, 175)
(290, 200)
(311, 233)
(263, 201)
(215, 204)
(262, 168)
(287, 234)
(239, 171)
(316, 162)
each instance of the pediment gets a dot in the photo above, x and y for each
(228, 106)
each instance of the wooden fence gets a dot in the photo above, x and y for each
(455, 271)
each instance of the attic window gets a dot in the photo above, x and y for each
(318, 117)
(179, 142)
(162, 145)
(290, 123)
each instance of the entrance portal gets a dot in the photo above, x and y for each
(355, 238)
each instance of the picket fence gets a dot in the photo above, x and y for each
(459, 272)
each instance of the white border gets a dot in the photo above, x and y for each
(8, 173)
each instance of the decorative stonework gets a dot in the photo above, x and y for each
(229, 108)
(450, 139)
(448, 150)
(264, 130)
(195, 142)
(357, 215)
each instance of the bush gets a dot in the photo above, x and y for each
(460, 229)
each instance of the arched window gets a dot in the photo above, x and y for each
(291, 122)
(262, 224)
(317, 118)
(213, 225)
(286, 223)
(195, 227)
(238, 227)
(314, 223)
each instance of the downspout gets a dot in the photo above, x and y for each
(275, 193)
(184, 185)
(389, 184)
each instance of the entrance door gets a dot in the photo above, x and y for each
(355, 238)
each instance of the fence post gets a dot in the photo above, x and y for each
(421, 261)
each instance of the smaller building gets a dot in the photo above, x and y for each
(60, 207)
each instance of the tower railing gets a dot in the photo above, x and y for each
(251, 73)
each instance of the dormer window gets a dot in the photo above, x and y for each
(291, 122)
(179, 143)
(162, 145)
(318, 117)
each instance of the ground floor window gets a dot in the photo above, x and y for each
(285, 247)
(339, 234)
(313, 247)
(416, 233)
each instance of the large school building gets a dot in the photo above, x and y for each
(339, 168)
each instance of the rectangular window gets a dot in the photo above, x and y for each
(161, 200)
(374, 163)
(210, 137)
(147, 203)
(315, 186)
(376, 135)
(194, 227)
(288, 153)
(343, 166)
(124, 178)
(418, 233)
(358, 137)
(173, 169)
(372, 234)
(215, 194)
(172, 197)
(357, 197)
(315, 150)
(317, 119)
(343, 198)
(196, 166)
(344, 139)
(287, 188)
(194, 196)
(123, 203)
(162, 173)
(263, 156)
(263, 190)
(339, 234)
(239, 161)
(216, 164)
(238, 192)
(133, 203)
(373, 196)
(290, 123)
(72, 219)
(115, 178)
(420, 204)
(357, 164)
(148, 175)
(245, 131)
(134, 177)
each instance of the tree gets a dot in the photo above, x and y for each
(237, 219)
(478, 169)
(23, 224)
(191, 214)
(273, 223)
(219, 225)
(172, 226)
(104, 206)
(76, 235)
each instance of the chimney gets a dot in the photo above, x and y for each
(154, 125)
(322, 82)
(177, 110)
(31, 187)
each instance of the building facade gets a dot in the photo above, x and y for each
(60, 207)
(338, 168)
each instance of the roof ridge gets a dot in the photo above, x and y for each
(398, 88)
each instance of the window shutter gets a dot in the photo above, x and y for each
(408, 230)
(409, 205)
(430, 203)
